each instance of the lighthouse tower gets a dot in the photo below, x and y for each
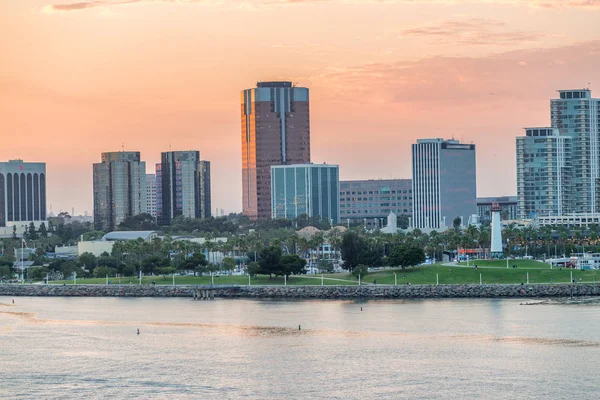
(496, 247)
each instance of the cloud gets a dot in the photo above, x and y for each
(83, 5)
(461, 81)
(472, 31)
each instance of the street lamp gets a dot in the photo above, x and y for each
(507, 247)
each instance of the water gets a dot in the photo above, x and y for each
(73, 348)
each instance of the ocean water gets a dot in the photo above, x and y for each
(75, 348)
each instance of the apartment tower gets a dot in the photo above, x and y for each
(119, 188)
(183, 184)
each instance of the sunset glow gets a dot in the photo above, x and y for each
(84, 77)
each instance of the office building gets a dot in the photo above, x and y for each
(444, 183)
(577, 115)
(275, 130)
(151, 194)
(311, 189)
(544, 172)
(371, 201)
(22, 192)
(183, 182)
(507, 205)
(119, 189)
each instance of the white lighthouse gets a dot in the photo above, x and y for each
(496, 247)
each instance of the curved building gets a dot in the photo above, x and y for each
(275, 131)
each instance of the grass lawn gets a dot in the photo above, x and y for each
(338, 279)
(529, 264)
(460, 275)
(491, 272)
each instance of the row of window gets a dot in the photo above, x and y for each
(383, 191)
(373, 205)
(387, 211)
(382, 198)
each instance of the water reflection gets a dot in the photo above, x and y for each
(88, 347)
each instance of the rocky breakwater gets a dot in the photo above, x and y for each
(97, 290)
(408, 292)
(307, 292)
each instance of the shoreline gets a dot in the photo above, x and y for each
(306, 292)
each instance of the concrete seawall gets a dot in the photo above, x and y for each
(307, 292)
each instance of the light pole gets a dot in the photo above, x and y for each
(507, 247)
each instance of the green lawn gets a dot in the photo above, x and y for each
(491, 272)
(338, 279)
(529, 264)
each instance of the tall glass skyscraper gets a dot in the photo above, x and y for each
(275, 131)
(544, 170)
(558, 166)
(22, 192)
(183, 184)
(444, 183)
(311, 189)
(119, 188)
(576, 114)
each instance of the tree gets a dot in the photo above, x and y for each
(152, 263)
(140, 222)
(253, 269)
(406, 256)
(291, 264)
(351, 250)
(456, 223)
(87, 260)
(32, 234)
(101, 272)
(4, 271)
(270, 260)
(14, 232)
(325, 266)
(228, 264)
(197, 263)
(361, 269)
(402, 221)
(164, 271)
(43, 230)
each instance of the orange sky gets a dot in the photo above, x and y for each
(80, 78)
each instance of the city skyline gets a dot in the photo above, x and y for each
(390, 74)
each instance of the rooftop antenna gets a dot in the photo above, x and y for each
(122, 147)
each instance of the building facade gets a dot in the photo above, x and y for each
(311, 189)
(119, 188)
(544, 173)
(22, 192)
(508, 206)
(576, 114)
(183, 182)
(444, 183)
(151, 194)
(275, 130)
(371, 201)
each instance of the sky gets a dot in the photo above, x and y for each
(82, 77)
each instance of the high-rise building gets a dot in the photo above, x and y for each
(311, 189)
(183, 182)
(151, 194)
(371, 201)
(577, 115)
(544, 172)
(275, 131)
(119, 188)
(444, 183)
(22, 192)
